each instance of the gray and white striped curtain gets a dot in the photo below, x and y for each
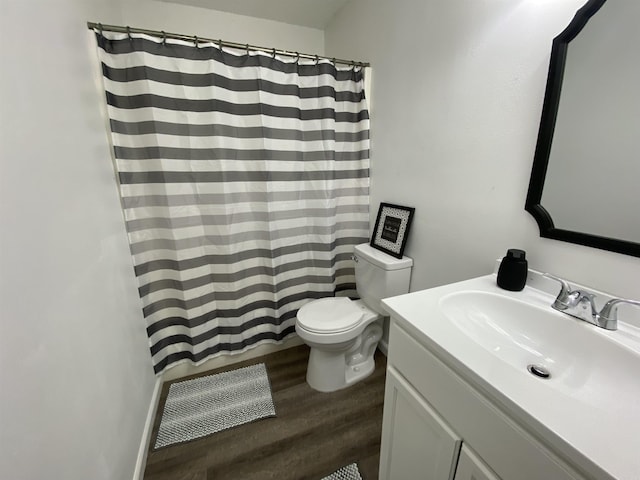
(244, 181)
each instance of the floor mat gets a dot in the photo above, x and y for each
(205, 405)
(350, 472)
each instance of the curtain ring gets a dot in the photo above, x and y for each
(220, 44)
(195, 40)
(129, 33)
(247, 49)
(273, 53)
(164, 38)
(297, 58)
(317, 59)
(100, 29)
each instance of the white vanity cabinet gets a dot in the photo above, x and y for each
(438, 427)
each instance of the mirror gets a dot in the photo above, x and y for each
(585, 181)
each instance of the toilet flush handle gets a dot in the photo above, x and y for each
(354, 258)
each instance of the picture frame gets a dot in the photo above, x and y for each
(391, 230)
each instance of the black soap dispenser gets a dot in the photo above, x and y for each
(512, 274)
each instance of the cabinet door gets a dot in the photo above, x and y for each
(416, 443)
(471, 467)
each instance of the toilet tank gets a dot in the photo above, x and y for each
(379, 275)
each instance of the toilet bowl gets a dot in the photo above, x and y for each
(342, 333)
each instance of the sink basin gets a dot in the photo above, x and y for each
(576, 354)
(512, 330)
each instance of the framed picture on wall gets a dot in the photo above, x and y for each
(392, 228)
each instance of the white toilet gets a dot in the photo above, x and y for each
(343, 334)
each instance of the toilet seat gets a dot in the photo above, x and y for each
(330, 315)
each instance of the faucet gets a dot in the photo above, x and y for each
(580, 304)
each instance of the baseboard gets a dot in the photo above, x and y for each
(383, 346)
(141, 462)
(227, 359)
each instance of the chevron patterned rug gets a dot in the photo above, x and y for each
(205, 405)
(350, 472)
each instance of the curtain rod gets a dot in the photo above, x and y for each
(221, 43)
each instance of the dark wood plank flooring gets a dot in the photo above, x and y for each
(312, 435)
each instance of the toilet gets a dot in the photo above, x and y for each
(342, 333)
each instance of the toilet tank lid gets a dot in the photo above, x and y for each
(381, 259)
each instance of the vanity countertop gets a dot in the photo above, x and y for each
(588, 410)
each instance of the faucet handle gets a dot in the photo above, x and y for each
(565, 285)
(565, 298)
(609, 312)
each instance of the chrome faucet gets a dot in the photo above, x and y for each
(580, 304)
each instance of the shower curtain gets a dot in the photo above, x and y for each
(244, 181)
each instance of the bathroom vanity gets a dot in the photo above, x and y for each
(461, 404)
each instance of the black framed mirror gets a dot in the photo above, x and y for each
(585, 180)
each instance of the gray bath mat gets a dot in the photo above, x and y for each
(350, 472)
(205, 405)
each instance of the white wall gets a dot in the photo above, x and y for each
(76, 373)
(457, 93)
(75, 368)
(176, 18)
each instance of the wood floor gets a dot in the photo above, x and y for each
(312, 435)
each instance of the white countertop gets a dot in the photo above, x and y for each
(596, 428)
